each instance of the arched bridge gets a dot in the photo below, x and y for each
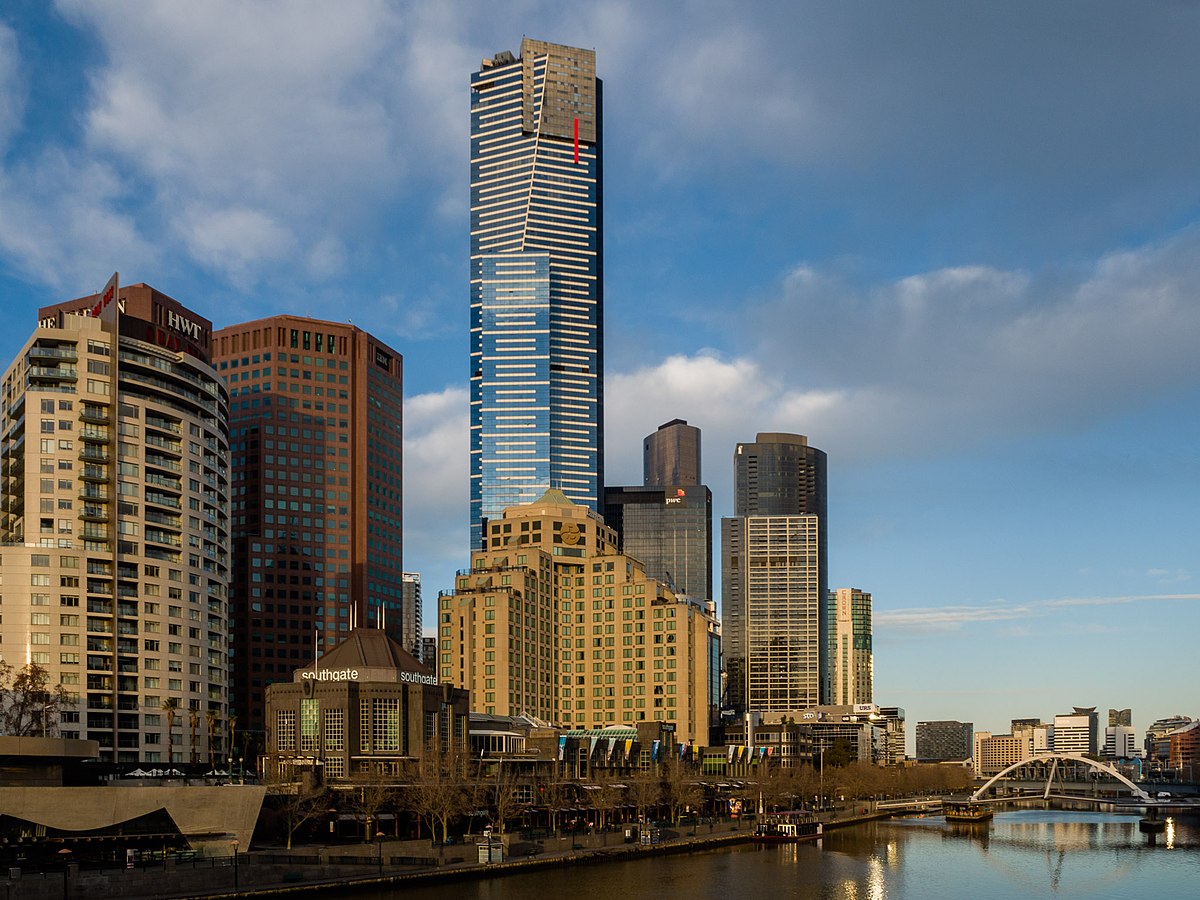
(1054, 759)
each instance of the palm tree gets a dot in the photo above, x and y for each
(211, 718)
(194, 719)
(171, 708)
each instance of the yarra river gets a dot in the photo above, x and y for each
(1022, 854)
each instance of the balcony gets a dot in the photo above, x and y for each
(96, 415)
(94, 453)
(154, 440)
(95, 435)
(58, 373)
(94, 473)
(94, 513)
(163, 500)
(68, 353)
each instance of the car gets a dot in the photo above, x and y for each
(1162, 795)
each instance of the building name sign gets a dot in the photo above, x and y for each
(331, 675)
(184, 325)
(418, 678)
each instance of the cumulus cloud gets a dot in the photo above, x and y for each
(435, 486)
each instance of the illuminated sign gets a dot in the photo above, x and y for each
(418, 678)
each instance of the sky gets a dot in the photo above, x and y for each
(957, 245)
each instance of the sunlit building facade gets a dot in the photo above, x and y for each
(536, 342)
(851, 661)
(114, 524)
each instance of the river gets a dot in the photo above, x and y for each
(1021, 854)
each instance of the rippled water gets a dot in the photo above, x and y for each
(1025, 854)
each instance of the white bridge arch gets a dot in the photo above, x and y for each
(1055, 759)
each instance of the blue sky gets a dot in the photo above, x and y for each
(957, 245)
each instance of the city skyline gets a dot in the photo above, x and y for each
(963, 271)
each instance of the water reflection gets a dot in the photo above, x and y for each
(1031, 853)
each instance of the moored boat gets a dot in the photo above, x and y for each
(787, 828)
(959, 811)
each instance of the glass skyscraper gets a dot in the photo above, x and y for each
(537, 345)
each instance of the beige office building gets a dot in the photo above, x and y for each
(851, 661)
(113, 524)
(551, 621)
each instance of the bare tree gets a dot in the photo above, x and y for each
(370, 793)
(553, 793)
(680, 789)
(28, 705)
(605, 799)
(440, 792)
(503, 793)
(645, 792)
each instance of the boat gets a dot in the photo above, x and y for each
(965, 811)
(787, 828)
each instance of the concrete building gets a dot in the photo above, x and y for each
(316, 428)
(1123, 717)
(1038, 735)
(1078, 731)
(113, 520)
(893, 718)
(944, 741)
(365, 706)
(537, 280)
(1158, 743)
(774, 580)
(1120, 742)
(551, 621)
(851, 662)
(671, 455)
(994, 753)
(1184, 757)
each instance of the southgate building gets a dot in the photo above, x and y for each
(113, 522)
(537, 281)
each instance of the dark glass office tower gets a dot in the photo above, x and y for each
(669, 529)
(774, 579)
(537, 295)
(672, 455)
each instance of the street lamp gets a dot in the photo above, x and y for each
(65, 855)
(379, 835)
(234, 844)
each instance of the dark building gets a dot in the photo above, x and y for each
(775, 581)
(671, 455)
(669, 529)
(315, 425)
(365, 706)
(945, 741)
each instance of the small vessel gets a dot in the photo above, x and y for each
(787, 828)
(965, 811)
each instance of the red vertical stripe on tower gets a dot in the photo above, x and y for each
(576, 139)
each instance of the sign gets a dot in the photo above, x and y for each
(418, 678)
(332, 675)
(864, 708)
(105, 303)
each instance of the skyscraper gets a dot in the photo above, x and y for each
(315, 434)
(774, 581)
(667, 522)
(113, 521)
(537, 280)
(851, 662)
(671, 455)
(945, 740)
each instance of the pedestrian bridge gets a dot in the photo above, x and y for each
(1056, 762)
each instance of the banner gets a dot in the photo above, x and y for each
(562, 748)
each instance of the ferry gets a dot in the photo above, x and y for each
(960, 811)
(787, 828)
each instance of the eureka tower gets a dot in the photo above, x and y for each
(537, 281)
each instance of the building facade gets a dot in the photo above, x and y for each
(537, 280)
(774, 581)
(996, 752)
(551, 621)
(365, 706)
(851, 661)
(113, 520)
(669, 529)
(316, 519)
(671, 455)
(411, 632)
(1078, 731)
(944, 741)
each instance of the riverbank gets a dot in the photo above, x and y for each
(362, 868)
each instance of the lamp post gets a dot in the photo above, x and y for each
(65, 855)
(234, 844)
(379, 835)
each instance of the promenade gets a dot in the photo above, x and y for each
(313, 870)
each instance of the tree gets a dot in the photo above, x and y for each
(439, 793)
(553, 793)
(370, 793)
(28, 705)
(645, 792)
(171, 707)
(605, 799)
(297, 803)
(193, 720)
(679, 789)
(502, 792)
(210, 719)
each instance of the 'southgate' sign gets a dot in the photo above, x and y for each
(418, 678)
(332, 675)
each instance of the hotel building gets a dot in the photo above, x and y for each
(551, 621)
(113, 520)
